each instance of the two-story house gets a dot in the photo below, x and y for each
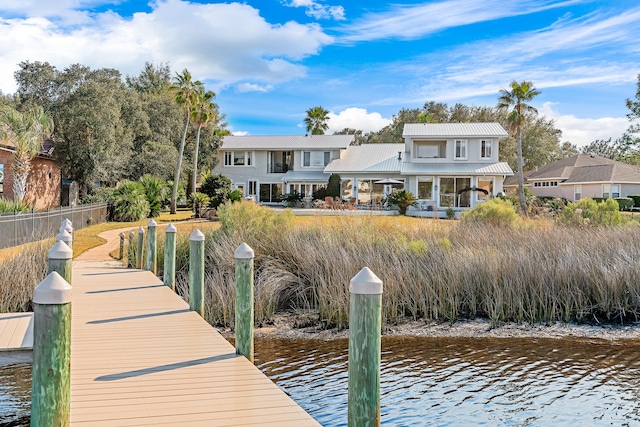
(265, 167)
(444, 164)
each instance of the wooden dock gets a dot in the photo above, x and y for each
(139, 357)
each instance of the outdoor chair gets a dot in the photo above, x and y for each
(328, 203)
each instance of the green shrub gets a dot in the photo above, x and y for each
(99, 195)
(217, 187)
(589, 212)
(234, 195)
(13, 206)
(636, 199)
(130, 202)
(599, 199)
(450, 213)
(251, 221)
(624, 203)
(293, 198)
(497, 212)
(334, 187)
(320, 193)
(156, 191)
(198, 202)
(402, 199)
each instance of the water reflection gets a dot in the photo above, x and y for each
(15, 394)
(475, 382)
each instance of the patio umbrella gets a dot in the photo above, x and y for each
(388, 181)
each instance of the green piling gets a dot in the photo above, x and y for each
(170, 257)
(121, 252)
(130, 249)
(196, 272)
(140, 252)
(244, 301)
(60, 259)
(51, 386)
(365, 323)
(152, 245)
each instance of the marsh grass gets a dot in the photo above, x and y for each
(20, 272)
(432, 270)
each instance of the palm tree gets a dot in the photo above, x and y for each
(26, 132)
(203, 113)
(517, 97)
(184, 90)
(316, 120)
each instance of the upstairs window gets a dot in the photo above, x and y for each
(486, 146)
(430, 149)
(461, 149)
(238, 158)
(316, 158)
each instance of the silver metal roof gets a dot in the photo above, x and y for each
(287, 142)
(368, 158)
(305, 176)
(454, 130)
(461, 168)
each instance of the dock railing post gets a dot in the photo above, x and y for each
(365, 323)
(51, 386)
(139, 254)
(130, 249)
(196, 272)
(68, 226)
(65, 237)
(244, 301)
(170, 257)
(60, 259)
(121, 253)
(152, 245)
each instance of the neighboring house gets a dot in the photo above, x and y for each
(44, 182)
(580, 176)
(444, 164)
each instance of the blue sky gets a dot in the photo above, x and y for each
(270, 60)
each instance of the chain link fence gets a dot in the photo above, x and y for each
(26, 227)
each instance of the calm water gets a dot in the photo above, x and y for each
(444, 382)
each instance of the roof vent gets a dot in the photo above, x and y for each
(399, 155)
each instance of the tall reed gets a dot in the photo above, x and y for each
(525, 274)
(20, 273)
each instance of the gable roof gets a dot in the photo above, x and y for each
(462, 168)
(583, 168)
(287, 142)
(454, 130)
(368, 158)
(45, 151)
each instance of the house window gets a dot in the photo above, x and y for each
(487, 185)
(461, 149)
(485, 148)
(253, 188)
(1, 178)
(316, 158)
(610, 190)
(545, 184)
(455, 192)
(577, 192)
(270, 193)
(425, 188)
(237, 158)
(430, 149)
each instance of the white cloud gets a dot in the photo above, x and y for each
(415, 21)
(582, 131)
(318, 10)
(240, 133)
(224, 43)
(251, 87)
(356, 118)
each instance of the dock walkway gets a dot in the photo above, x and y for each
(140, 357)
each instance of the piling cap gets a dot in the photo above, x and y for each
(64, 236)
(196, 236)
(171, 229)
(68, 222)
(365, 282)
(66, 227)
(152, 223)
(140, 230)
(52, 290)
(244, 251)
(60, 251)
(122, 235)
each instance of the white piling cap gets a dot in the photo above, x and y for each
(366, 283)
(122, 235)
(66, 227)
(64, 236)
(152, 223)
(52, 290)
(244, 251)
(67, 221)
(140, 230)
(171, 229)
(196, 236)
(60, 251)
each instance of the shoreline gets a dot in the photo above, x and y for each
(283, 327)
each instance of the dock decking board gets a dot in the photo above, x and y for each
(139, 357)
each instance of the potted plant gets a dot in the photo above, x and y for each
(292, 199)
(402, 199)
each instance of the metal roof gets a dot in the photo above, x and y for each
(454, 130)
(368, 158)
(305, 176)
(461, 168)
(287, 142)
